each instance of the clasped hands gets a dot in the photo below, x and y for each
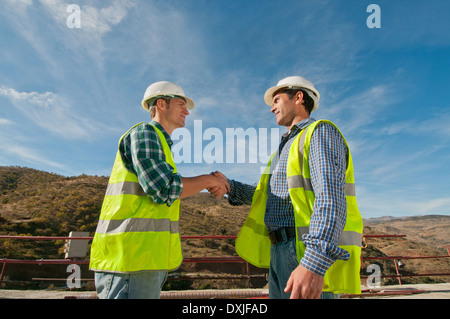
(219, 185)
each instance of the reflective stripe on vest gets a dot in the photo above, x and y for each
(137, 225)
(348, 238)
(298, 181)
(125, 188)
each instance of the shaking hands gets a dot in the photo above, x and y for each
(219, 185)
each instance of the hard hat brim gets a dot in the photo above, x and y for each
(189, 103)
(268, 96)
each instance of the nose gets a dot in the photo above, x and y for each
(184, 109)
(272, 109)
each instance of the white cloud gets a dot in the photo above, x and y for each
(51, 112)
(6, 121)
(27, 155)
(376, 201)
(359, 110)
(19, 5)
(432, 206)
(31, 20)
(95, 22)
(435, 124)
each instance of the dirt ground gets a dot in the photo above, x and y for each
(419, 291)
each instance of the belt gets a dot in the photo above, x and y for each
(282, 234)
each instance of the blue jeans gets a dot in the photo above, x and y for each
(283, 260)
(142, 285)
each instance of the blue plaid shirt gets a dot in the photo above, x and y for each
(328, 163)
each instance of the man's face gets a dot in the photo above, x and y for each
(177, 112)
(284, 109)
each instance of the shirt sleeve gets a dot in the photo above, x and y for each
(240, 193)
(146, 156)
(328, 163)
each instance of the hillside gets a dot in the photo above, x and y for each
(38, 203)
(425, 236)
(45, 204)
(433, 230)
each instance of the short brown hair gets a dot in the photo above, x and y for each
(152, 108)
(308, 102)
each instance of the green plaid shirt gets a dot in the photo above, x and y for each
(143, 155)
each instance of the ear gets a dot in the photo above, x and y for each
(299, 98)
(161, 105)
(299, 95)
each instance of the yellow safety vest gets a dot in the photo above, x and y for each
(134, 233)
(253, 243)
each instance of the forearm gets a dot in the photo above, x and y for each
(240, 193)
(193, 185)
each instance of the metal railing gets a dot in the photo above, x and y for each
(397, 259)
(213, 259)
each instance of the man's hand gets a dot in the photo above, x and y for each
(217, 185)
(221, 185)
(304, 284)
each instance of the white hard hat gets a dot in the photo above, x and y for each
(294, 82)
(164, 89)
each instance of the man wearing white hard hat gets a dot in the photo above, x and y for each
(304, 223)
(137, 241)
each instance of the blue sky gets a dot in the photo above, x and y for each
(68, 94)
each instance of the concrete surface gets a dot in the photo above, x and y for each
(421, 291)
